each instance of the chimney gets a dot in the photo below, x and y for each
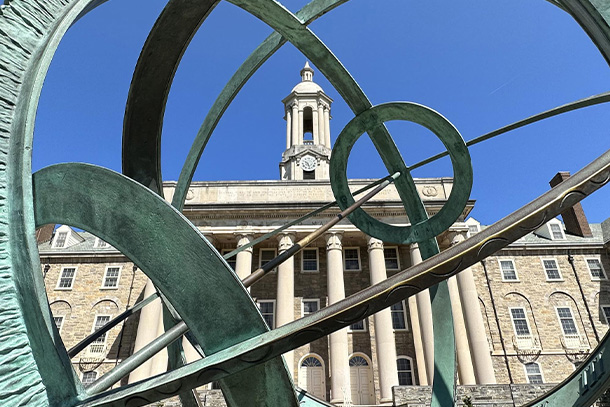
(574, 218)
(44, 233)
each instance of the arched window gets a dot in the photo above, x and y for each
(312, 376)
(361, 380)
(311, 361)
(308, 125)
(358, 361)
(533, 373)
(404, 365)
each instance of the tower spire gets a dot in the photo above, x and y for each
(306, 73)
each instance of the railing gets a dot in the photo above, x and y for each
(525, 342)
(575, 342)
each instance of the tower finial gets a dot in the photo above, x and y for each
(306, 73)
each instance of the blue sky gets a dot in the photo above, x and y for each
(481, 64)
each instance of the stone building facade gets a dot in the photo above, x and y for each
(523, 317)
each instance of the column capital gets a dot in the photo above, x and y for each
(333, 240)
(374, 244)
(243, 238)
(285, 241)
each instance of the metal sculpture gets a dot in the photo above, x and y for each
(240, 351)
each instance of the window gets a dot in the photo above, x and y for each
(111, 278)
(59, 321)
(404, 366)
(359, 326)
(309, 260)
(309, 306)
(351, 258)
(551, 269)
(232, 261)
(309, 174)
(606, 313)
(358, 361)
(399, 316)
(267, 308)
(60, 240)
(265, 256)
(508, 270)
(66, 278)
(99, 344)
(473, 229)
(520, 321)
(595, 269)
(566, 321)
(100, 244)
(533, 373)
(88, 378)
(391, 258)
(556, 231)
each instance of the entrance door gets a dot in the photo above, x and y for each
(361, 380)
(312, 378)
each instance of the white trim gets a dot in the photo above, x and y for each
(260, 256)
(61, 324)
(82, 376)
(317, 270)
(96, 343)
(602, 306)
(395, 248)
(527, 377)
(598, 258)
(410, 359)
(571, 315)
(118, 279)
(316, 300)
(558, 224)
(345, 259)
(527, 321)
(404, 314)
(274, 309)
(542, 259)
(500, 260)
(100, 244)
(57, 233)
(57, 287)
(363, 355)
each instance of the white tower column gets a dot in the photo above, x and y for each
(327, 126)
(384, 332)
(473, 320)
(148, 327)
(285, 291)
(295, 124)
(243, 259)
(424, 308)
(288, 128)
(321, 134)
(339, 368)
(300, 135)
(314, 124)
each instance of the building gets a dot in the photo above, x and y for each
(525, 316)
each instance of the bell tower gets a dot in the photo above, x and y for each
(308, 148)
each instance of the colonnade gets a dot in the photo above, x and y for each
(295, 116)
(474, 358)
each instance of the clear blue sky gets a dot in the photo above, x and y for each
(481, 64)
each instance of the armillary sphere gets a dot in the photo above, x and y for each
(36, 368)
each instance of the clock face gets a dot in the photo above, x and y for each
(308, 163)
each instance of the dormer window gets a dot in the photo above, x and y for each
(60, 239)
(556, 231)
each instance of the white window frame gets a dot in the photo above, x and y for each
(61, 318)
(56, 237)
(542, 260)
(317, 270)
(602, 306)
(274, 309)
(563, 235)
(475, 226)
(118, 278)
(60, 276)
(364, 328)
(225, 251)
(345, 259)
(604, 276)
(395, 248)
(573, 320)
(527, 321)
(97, 341)
(303, 300)
(404, 314)
(100, 244)
(500, 260)
(410, 359)
(527, 375)
(260, 256)
(82, 377)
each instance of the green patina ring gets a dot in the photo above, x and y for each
(443, 129)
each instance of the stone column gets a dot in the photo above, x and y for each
(285, 291)
(321, 134)
(384, 332)
(424, 308)
(339, 368)
(327, 125)
(314, 127)
(419, 350)
(295, 124)
(473, 320)
(243, 259)
(300, 135)
(148, 326)
(190, 353)
(288, 128)
(159, 361)
(464, 361)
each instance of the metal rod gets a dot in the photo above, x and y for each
(134, 361)
(109, 325)
(299, 220)
(297, 247)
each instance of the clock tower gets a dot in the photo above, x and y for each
(307, 115)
